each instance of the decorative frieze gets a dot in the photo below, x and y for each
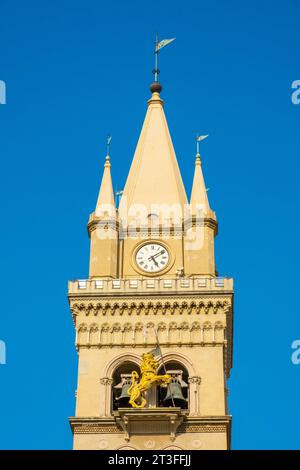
(137, 333)
(186, 427)
(119, 426)
(91, 306)
(96, 429)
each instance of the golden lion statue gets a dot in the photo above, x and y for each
(148, 379)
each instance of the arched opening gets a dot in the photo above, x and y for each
(176, 393)
(121, 383)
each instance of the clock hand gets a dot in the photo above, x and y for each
(158, 254)
(152, 258)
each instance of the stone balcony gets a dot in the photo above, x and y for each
(147, 286)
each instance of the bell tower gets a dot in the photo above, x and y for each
(153, 286)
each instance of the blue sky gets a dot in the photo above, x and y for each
(77, 70)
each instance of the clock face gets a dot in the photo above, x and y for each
(152, 257)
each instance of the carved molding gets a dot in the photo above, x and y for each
(166, 306)
(106, 381)
(190, 321)
(194, 380)
(96, 429)
(123, 425)
(186, 427)
(137, 333)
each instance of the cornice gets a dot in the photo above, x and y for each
(189, 425)
(160, 230)
(201, 222)
(118, 296)
(102, 224)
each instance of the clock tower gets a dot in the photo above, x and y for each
(153, 282)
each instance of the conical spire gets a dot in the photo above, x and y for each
(154, 178)
(199, 200)
(106, 200)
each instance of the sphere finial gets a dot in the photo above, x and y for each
(155, 87)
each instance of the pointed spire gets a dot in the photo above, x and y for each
(199, 200)
(154, 177)
(106, 200)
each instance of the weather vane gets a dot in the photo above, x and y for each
(118, 195)
(198, 140)
(159, 45)
(108, 142)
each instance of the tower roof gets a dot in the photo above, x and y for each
(154, 177)
(199, 200)
(106, 200)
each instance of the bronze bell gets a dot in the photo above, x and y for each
(123, 398)
(174, 391)
(174, 394)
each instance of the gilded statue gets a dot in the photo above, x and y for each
(148, 378)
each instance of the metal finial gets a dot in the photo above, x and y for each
(118, 195)
(156, 71)
(159, 45)
(108, 142)
(198, 140)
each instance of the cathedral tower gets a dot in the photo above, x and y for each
(153, 280)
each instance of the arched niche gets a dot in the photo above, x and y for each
(121, 381)
(177, 392)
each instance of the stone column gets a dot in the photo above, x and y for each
(105, 407)
(194, 395)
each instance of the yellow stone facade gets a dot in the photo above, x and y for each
(132, 295)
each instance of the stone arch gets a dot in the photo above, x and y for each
(105, 334)
(161, 326)
(173, 332)
(118, 360)
(121, 377)
(191, 372)
(116, 333)
(178, 357)
(195, 332)
(94, 336)
(82, 334)
(127, 333)
(109, 371)
(150, 335)
(207, 332)
(162, 332)
(184, 334)
(219, 332)
(138, 333)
